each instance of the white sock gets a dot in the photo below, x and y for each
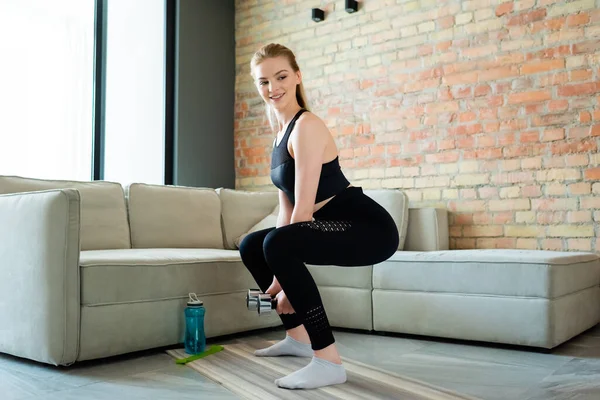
(317, 373)
(287, 347)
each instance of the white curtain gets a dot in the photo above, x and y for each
(135, 91)
(46, 88)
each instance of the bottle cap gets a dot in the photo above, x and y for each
(194, 301)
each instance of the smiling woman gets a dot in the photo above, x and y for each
(322, 220)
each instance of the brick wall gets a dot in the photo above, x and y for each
(489, 109)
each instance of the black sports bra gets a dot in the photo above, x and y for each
(331, 182)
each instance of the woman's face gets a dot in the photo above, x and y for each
(276, 82)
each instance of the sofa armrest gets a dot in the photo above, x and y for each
(39, 266)
(427, 229)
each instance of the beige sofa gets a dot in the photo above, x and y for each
(93, 269)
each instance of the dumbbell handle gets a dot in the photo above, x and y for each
(261, 302)
(266, 303)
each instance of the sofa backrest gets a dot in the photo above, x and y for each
(427, 229)
(241, 210)
(104, 222)
(420, 229)
(162, 216)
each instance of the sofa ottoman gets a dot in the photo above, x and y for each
(522, 297)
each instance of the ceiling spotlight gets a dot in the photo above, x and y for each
(318, 15)
(351, 6)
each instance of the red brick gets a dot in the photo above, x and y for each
(503, 87)
(581, 75)
(473, 129)
(463, 219)
(579, 132)
(558, 105)
(443, 46)
(445, 157)
(552, 244)
(513, 124)
(495, 101)
(488, 113)
(446, 22)
(506, 139)
(590, 46)
(461, 93)
(491, 127)
(531, 191)
(467, 116)
(488, 192)
(592, 173)
(504, 8)
(531, 150)
(466, 143)
(550, 135)
(446, 144)
(542, 66)
(535, 108)
(454, 79)
(486, 141)
(578, 160)
(528, 137)
(498, 73)
(576, 147)
(366, 84)
(552, 119)
(584, 116)
(527, 17)
(580, 89)
(549, 53)
(465, 244)
(549, 24)
(529, 97)
(482, 90)
(493, 153)
(557, 78)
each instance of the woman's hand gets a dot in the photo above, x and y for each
(283, 304)
(274, 288)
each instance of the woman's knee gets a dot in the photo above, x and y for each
(276, 245)
(250, 247)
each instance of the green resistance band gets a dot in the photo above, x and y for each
(211, 350)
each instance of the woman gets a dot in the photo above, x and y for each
(323, 220)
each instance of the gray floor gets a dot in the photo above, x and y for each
(571, 371)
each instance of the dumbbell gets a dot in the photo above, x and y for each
(260, 302)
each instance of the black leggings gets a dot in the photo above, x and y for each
(350, 230)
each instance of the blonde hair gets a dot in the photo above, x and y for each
(273, 50)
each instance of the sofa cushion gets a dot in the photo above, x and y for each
(336, 276)
(243, 209)
(427, 229)
(270, 221)
(123, 276)
(174, 217)
(396, 203)
(502, 272)
(523, 321)
(104, 222)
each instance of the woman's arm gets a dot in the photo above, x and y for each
(283, 219)
(308, 145)
(285, 210)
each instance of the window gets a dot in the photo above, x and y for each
(46, 88)
(135, 91)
